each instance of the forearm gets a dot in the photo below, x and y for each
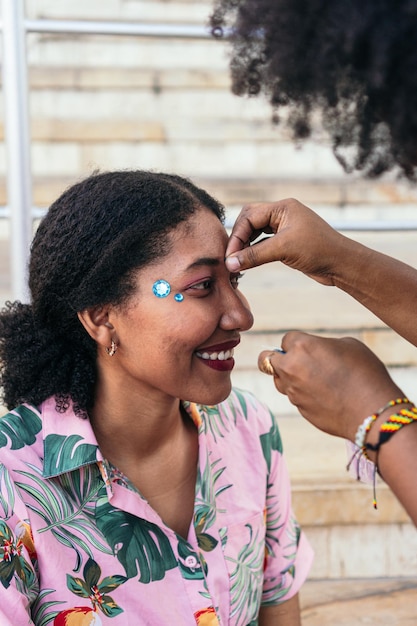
(397, 463)
(382, 284)
(285, 614)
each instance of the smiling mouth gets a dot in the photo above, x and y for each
(223, 355)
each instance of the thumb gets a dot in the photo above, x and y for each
(264, 251)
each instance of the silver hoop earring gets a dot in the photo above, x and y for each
(113, 349)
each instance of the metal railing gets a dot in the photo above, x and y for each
(14, 29)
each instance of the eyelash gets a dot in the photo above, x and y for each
(235, 278)
(207, 284)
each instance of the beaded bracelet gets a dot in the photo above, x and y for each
(391, 426)
(388, 428)
(365, 427)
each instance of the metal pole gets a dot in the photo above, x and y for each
(19, 182)
(91, 27)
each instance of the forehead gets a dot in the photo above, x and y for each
(197, 243)
(202, 234)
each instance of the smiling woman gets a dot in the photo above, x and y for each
(126, 453)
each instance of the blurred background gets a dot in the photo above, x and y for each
(158, 97)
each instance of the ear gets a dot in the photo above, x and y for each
(96, 323)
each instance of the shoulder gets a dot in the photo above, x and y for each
(258, 420)
(246, 404)
(240, 415)
(20, 427)
(21, 439)
(245, 409)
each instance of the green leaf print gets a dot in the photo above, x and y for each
(271, 441)
(40, 613)
(222, 418)
(274, 523)
(205, 503)
(111, 582)
(66, 512)
(77, 586)
(246, 579)
(244, 399)
(206, 542)
(12, 562)
(214, 421)
(293, 534)
(7, 492)
(19, 428)
(65, 453)
(189, 563)
(92, 573)
(274, 591)
(109, 607)
(140, 546)
(241, 399)
(95, 590)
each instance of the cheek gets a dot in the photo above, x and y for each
(170, 328)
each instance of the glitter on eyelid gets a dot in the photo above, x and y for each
(161, 288)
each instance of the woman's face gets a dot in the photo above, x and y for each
(183, 349)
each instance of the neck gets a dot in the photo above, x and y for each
(129, 426)
(152, 442)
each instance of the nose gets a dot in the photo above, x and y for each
(236, 312)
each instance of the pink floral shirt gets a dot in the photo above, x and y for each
(79, 544)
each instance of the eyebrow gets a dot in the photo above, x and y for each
(204, 261)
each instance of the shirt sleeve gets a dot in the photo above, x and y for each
(19, 585)
(288, 554)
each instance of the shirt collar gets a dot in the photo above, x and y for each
(70, 443)
(68, 440)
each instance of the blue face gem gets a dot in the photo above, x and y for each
(178, 297)
(161, 288)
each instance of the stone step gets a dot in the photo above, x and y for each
(107, 103)
(175, 11)
(350, 538)
(346, 203)
(338, 200)
(351, 602)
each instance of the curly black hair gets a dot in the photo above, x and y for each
(86, 252)
(353, 61)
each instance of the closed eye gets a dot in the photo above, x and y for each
(204, 285)
(234, 280)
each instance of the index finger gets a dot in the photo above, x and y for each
(253, 220)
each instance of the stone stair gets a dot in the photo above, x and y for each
(110, 102)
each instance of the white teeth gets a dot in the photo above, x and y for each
(215, 356)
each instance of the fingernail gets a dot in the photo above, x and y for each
(232, 263)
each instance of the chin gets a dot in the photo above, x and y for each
(214, 396)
